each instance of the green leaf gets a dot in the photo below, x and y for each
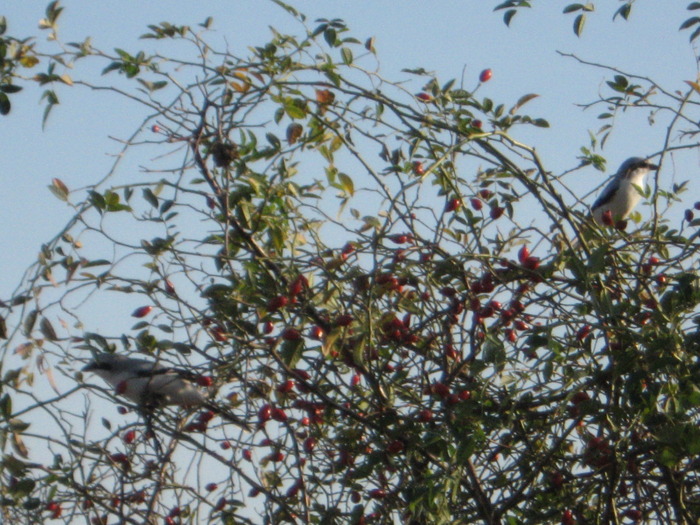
(624, 12)
(29, 322)
(347, 55)
(689, 23)
(97, 200)
(3, 25)
(346, 183)
(508, 16)
(330, 36)
(578, 24)
(47, 329)
(572, 7)
(150, 197)
(10, 88)
(5, 105)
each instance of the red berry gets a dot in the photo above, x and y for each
(219, 334)
(142, 311)
(583, 332)
(424, 97)
(496, 212)
(654, 260)
(296, 287)
(441, 389)
(225, 445)
(567, 518)
(418, 168)
(523, 254)
(476, 203)
(265, 413)
(400, 238)
(155, 128)
(343, 320)
(309, 444)
(205, 381)
(377, 494)
(276, 303)
(395, 447)
(355, 380)
(169, 287)
(278, 414)
(129, 437)
(425, 415)
(476, 123)
(453, 204)
(485, 75)
(210, 487)
(268, 327)
(247, 454)
(286, 387)
(607, 218)
(291, 334)
(316, 332)
(532, 263)
(580, 397)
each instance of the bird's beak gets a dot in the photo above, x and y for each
(90, 366)
(650, 166)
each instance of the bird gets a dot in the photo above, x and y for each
(145, 382)
(621, 195)
(150, 384)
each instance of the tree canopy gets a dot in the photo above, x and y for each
(349, 265)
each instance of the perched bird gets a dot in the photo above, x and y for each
(145, 382)
(620, 196)
(150, 384)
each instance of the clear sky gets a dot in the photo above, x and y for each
(448, 37)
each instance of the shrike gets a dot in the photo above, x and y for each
(150, 384)
(620, 196)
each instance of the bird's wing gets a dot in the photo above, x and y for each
(607, 194)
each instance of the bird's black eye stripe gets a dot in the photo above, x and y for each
(152, 372)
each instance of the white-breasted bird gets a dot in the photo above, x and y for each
(150, 384)
(145, 382)
(621, 195)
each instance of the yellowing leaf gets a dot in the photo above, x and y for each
(294, 131)
(522, 101)
(66, 80)
(29, 61)
(59, 189)
(693, 85)
(241, 88)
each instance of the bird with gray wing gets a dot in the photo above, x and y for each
(621, 195)
(150, 384)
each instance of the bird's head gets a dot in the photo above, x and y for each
(636, 166)
(105, 362)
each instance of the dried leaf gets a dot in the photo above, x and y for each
(324, 96)
(47, 329)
